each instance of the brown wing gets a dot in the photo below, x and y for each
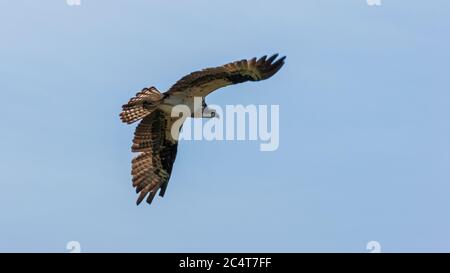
(141, 105)
(152, 168)
(203, 82)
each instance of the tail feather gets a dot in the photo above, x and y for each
(141, 105)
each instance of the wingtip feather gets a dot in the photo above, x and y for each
(272, 58)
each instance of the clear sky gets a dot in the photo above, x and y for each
(364, 133)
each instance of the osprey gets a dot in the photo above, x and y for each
(153, 139)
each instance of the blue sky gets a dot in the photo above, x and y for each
(364, 134)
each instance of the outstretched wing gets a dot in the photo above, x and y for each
(152, 168)
(141, 105)
(201, 83)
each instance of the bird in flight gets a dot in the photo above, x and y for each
(153, 140)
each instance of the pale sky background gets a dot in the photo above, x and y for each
(364, 126)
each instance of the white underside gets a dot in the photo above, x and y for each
(172, 101)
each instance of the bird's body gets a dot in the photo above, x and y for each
(168, 103)
(154, 138)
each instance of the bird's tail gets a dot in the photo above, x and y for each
(141, 105)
